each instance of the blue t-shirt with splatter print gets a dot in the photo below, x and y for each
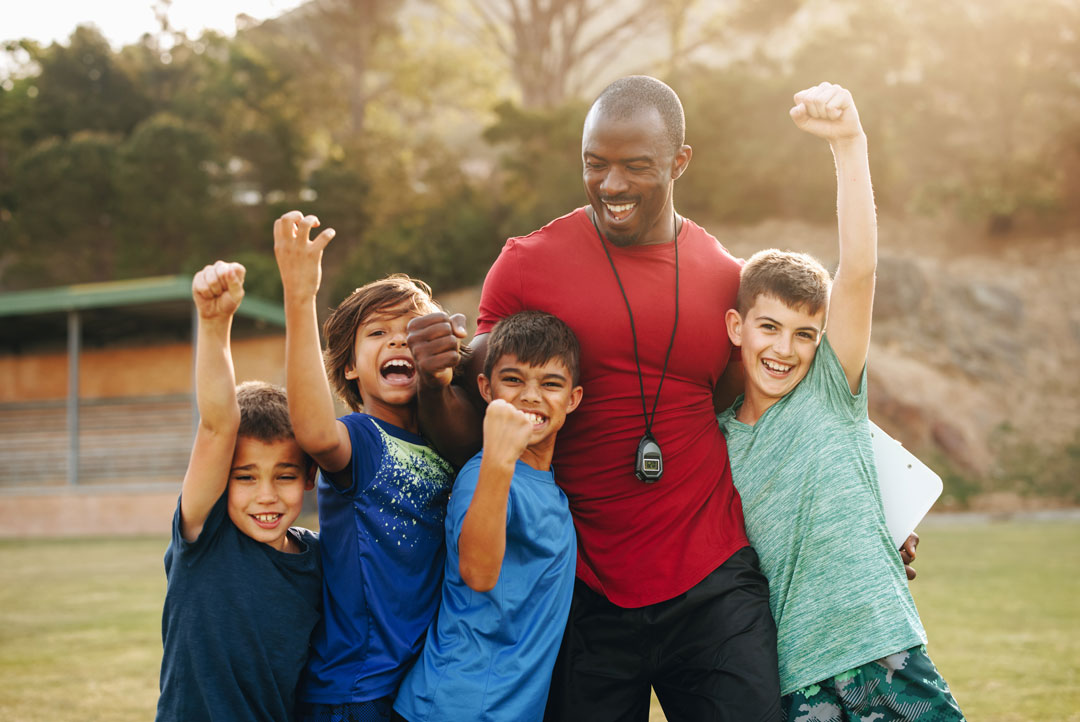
(382, 545)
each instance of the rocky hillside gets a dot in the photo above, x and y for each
(975, 353)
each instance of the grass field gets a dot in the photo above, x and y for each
(80, 623)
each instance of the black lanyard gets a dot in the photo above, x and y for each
(649, 464)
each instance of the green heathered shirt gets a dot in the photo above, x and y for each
(806, 475)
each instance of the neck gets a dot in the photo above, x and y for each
(539, 456)
(753, 407)
(403, 417)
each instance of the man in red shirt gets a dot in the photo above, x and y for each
(669, 594)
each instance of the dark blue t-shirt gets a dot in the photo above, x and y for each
(236, 625)
(382, 545)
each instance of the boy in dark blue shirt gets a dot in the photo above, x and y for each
(244, 587)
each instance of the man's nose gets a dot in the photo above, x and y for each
(614, 182)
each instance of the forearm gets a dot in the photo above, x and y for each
(215, 379)
(856, 216)
(449, 418)
(311, 403)
(482, 542)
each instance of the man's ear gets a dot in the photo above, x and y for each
(733, 321)
(575, 398)
(484, 384)
(682, 159)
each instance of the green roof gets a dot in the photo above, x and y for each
(133, 292)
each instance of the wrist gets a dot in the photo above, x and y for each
(849, 144)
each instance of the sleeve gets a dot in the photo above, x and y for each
(831, 383)
(460, 498)
(502, 292)
(190, 552)
(367, 448)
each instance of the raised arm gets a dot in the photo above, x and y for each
(450, 411)
(482, 542)
(217, 291)
(828, 112)
(311, 403)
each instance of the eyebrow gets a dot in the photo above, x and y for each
(519, 372)
(634, 159)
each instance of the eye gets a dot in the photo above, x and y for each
(637, 168)
(376, 332)
(244, 478)
(807, 335)
(768, 326)
(553, 384)
(593, 165)
(511, 380)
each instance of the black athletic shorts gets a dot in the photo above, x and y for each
(710, 654)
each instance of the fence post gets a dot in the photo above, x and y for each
(74, 343)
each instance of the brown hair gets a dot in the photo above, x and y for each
(340, 327)
(535, 338)
(264, 411)
(796, 279)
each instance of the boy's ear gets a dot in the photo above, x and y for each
(350, 372)
(484, 384)
(575, 398)
(733, 321)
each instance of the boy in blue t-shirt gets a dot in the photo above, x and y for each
(382, 488)
(849, 639)
(244, 588)
(511, 549)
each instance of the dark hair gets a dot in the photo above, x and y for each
(796, 279)
(264, 411)
(630, 95)
(535, 338)
(339, 330)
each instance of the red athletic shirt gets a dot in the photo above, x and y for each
(638, 543)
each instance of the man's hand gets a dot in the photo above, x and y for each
(828, 112)
(299, 259)
(435, 343)
(506, 432)
(218, 289)
(907, 553)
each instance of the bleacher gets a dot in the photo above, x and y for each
(121, 441)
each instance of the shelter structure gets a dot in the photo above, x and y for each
(97, 408)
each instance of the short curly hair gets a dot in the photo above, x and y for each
(340, 327)
(796, 279)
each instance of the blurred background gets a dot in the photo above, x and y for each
(140, 140)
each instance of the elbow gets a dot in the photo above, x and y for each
(478, 580)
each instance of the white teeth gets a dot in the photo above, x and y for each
(779, 368)
(398, 363)
(534, 419)
(620, 209)
(267, 518)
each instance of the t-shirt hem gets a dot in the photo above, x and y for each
(851, 662)
(696, 577)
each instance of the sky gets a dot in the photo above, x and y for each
(124, 21)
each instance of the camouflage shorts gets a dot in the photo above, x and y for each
(902, 686)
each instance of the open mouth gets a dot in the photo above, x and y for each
(267, 521)
(398, 370)
(776, 368)
(619, 212)
(534, 418)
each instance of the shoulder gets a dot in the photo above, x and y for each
(565, 228)
(700, 240)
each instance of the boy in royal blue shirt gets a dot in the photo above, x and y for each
(382, 488)
(244, 588)
(511, 548)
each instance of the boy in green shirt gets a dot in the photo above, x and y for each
(850, 642)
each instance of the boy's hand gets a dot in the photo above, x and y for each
(506, 431)
(828, 112)
(218, 289)
(300, 259)
(435, 343)
(907, 554)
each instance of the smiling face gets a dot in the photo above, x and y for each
(266, 488)
(778, 343)
(629, 170)
(545, 393)
(382, 365)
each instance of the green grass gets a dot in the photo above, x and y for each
(80, 623)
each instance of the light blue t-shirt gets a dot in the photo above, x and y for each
(489, 656)
(806, 475)
(382, 556)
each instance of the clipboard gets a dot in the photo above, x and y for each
(908, 487)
